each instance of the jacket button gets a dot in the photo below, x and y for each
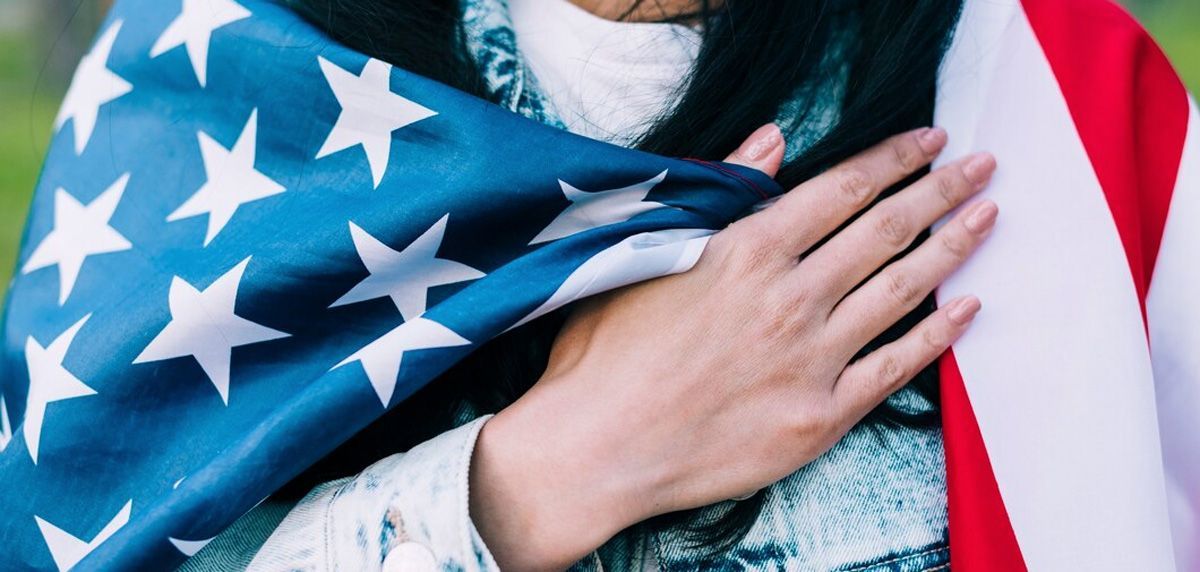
(410, 557)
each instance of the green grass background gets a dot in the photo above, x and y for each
(25, 123)
(28, 103)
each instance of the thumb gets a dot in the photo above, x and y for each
(762, 150)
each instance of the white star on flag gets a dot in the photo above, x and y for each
(67, 549)
(407, 275)
(370, 113)
(79, 231)
(590, 210)
(49, 381)
(203, 325)
(381, 358)
(189, 548)
(232, 181)
(93, 86)
(193, 29)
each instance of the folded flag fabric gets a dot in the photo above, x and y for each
(248, 242)
(1072, 407)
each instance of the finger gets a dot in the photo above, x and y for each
(888, 228)
(762, 150)
(809, 212)
(894, 292)
(867, 382)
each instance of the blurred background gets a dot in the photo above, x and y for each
(42, 40)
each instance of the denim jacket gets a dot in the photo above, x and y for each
(875, 502)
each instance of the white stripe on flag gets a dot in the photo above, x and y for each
(1173, 312)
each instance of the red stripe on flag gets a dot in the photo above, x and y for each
(1131, 111)
(981, 538)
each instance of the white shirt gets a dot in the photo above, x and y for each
(607, 80)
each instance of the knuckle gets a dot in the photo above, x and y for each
(775, 321)
(907, 154)
(950, 189)
(893, 228)
(901, 288)
(955, 244)
(756, 251)
(934, 338)
(854, 184)
(890, 373)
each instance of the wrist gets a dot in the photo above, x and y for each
(549, 483)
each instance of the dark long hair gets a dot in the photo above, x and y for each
(757, 56)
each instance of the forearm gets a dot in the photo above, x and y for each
(546, 488)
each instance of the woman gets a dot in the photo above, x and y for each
(241, 230)
(720, 407)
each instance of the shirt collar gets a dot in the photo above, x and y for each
(492, 43)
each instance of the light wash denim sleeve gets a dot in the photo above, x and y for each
(405, 512)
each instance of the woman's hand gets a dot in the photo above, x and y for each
(695, 388)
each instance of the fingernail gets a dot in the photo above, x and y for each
(962, 310)
(981, 217)
(931, 139)
(979, 168)
(764, 140)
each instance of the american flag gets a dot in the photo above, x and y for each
(1071, 409)
(248, 242)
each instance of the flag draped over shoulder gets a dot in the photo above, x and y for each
(1072, 407)
(248, 242)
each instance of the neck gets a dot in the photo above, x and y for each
(642, 11)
